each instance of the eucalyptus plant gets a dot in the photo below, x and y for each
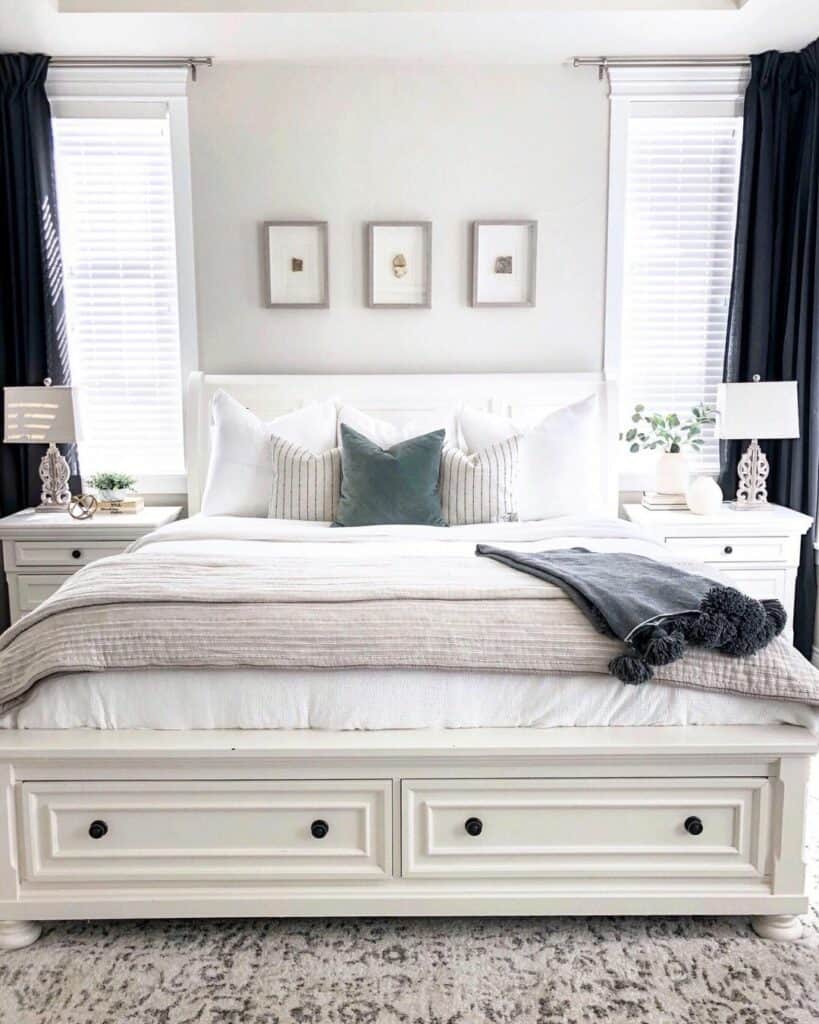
(653, 430)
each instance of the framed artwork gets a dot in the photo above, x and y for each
(400, 264)
(504, 262)
(297, 264)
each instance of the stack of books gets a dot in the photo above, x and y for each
(127, 505)
(657, 502)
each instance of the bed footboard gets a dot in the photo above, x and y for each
(698, 820)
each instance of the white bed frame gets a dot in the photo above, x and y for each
(489, 821)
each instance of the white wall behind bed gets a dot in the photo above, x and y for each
(400, 397)
(380, 141)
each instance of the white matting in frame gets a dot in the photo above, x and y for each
(504, 262)
(297, 262)
(400, 264)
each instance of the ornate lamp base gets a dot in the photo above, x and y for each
(54, 472)
(753, 470)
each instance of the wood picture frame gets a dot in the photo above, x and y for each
(387, 243)
(293, 247)
(499, 248)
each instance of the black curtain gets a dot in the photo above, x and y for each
(773, 326)
(32, 309)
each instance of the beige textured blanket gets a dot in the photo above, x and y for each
(379, 609)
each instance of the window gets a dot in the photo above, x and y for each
(123, 191)
(675, 173)
(115, 194)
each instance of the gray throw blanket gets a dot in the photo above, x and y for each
(656, 609)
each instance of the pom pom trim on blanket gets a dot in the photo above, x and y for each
(727, 621)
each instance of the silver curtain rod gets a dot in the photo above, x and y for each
(192, 63)
(604, 63)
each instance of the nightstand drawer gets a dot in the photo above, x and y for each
(33, 553)
(32, 589)
(760, 583)
(725, 550)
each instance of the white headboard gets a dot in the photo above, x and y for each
(398, 397)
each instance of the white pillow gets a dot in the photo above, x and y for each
(482, 487)
(240, 471)
(481, 429)
(559, 464)
(386, 434)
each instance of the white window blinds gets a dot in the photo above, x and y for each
(115, 194)
(680, 213)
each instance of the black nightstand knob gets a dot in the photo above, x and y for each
(98, 829)
(728, 549)
(693, 826)
(319, 829)
(76, 553)
(473, 826)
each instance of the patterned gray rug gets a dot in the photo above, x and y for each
(543, 971)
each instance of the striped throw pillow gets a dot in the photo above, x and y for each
(305, 485)
(480, 488)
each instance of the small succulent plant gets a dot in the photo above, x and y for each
(654, 430)
(112, 481)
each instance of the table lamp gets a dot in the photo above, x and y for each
(44, 415)
(766, 409)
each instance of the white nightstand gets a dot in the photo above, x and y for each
(758, 549)
(41, 549)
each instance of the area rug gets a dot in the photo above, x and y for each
(669, 970)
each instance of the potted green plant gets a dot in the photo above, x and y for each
(670, 434)
(112, 486)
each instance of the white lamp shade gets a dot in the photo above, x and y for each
(760, 410)
(39, 415)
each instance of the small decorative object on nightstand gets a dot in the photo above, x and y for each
(769, 410)
(41, 552)
(44, 415)
(704, 496)
(758, 550)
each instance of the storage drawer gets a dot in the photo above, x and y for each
(760, 583)
(99, 832)
(733, 549)
(74, 553)
(34, 588)
(594, 827)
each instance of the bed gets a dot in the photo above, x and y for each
(458, 765)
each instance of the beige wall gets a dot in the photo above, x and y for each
(356, 143)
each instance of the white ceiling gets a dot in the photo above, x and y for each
(521, 31)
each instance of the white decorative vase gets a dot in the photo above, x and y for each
(704, 496)
(672, 473)
(113, 494)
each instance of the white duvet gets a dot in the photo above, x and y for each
(255, 698)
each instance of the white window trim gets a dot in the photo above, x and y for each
(636, 92)
(123, 86)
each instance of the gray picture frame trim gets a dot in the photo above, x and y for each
(322, 225)
(426, 225)
(532, 283)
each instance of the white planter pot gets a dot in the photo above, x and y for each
(672, 473)
(120, 494)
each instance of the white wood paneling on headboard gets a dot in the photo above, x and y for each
(399, 397)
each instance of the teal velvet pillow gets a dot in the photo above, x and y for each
(393, 485)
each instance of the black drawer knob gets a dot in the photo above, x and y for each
(319, 829)
(728, 549)
(693, 826)
(473, 826)
(98, 829)
(76, 553)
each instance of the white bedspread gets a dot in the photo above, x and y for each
(379, 699)
(267, 699)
